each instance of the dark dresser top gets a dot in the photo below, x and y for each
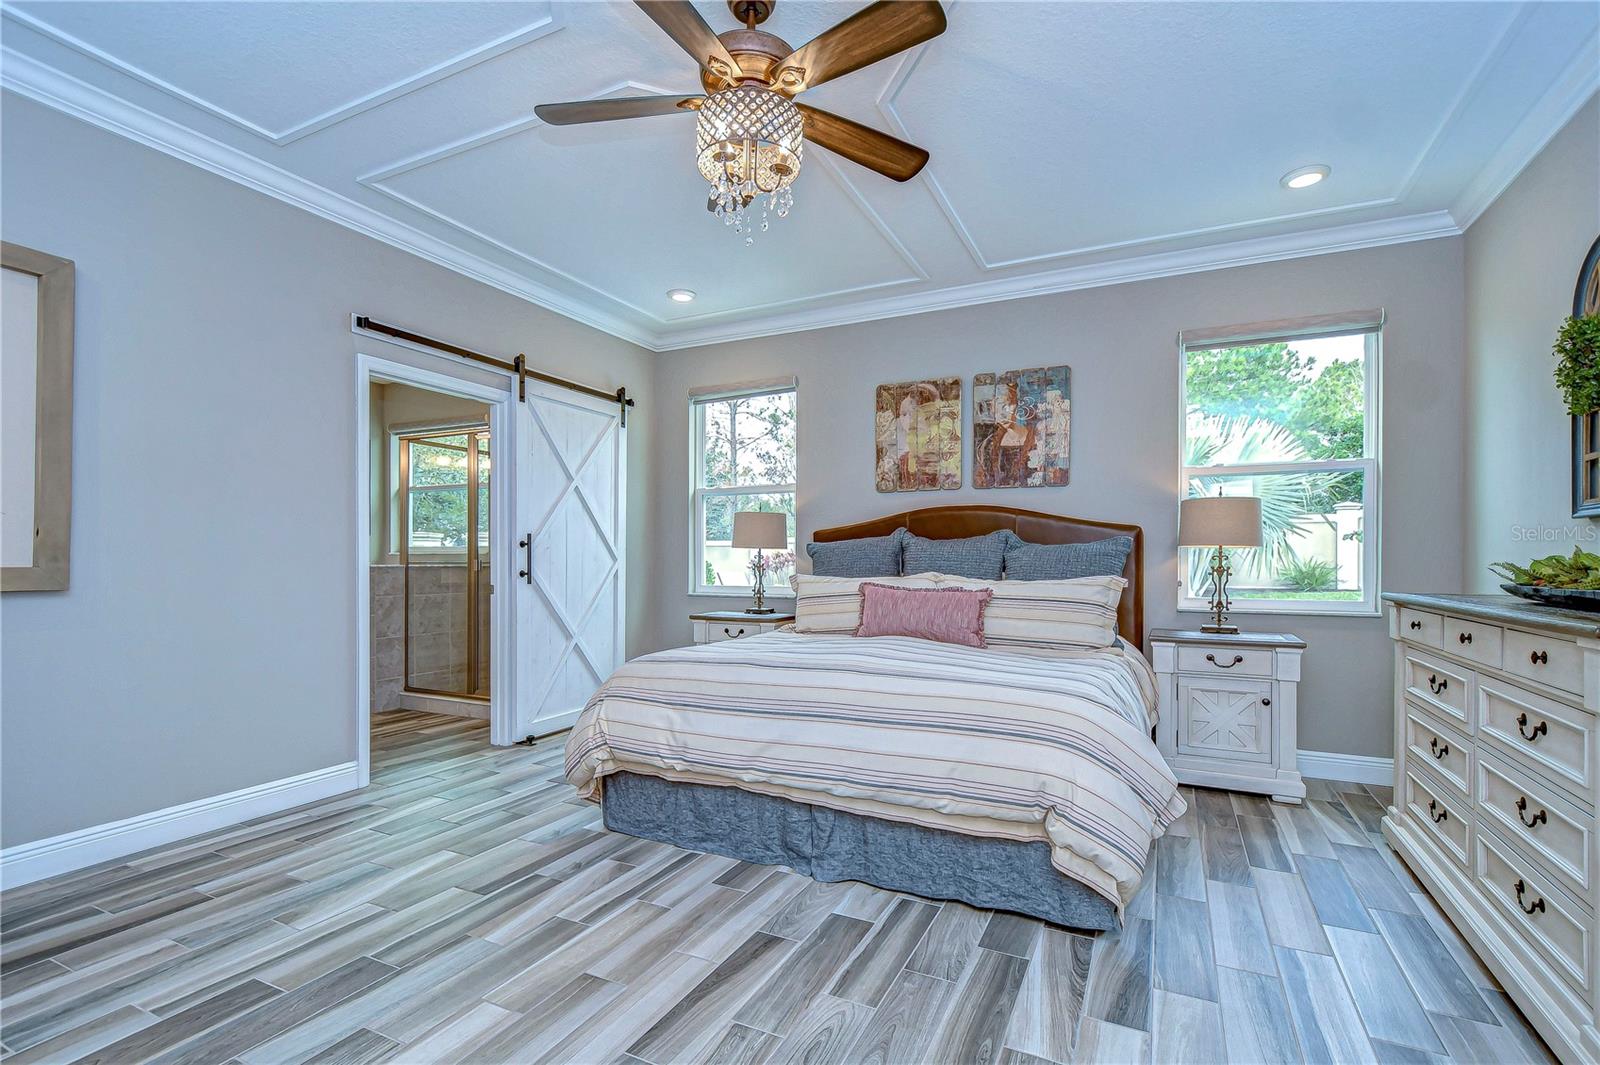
(1505, 609)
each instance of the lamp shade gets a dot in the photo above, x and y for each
(760, 528)
(1219, 521)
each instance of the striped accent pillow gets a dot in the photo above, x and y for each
(1073, 615)
(945, 615)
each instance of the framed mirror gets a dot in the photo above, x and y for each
(36, 315)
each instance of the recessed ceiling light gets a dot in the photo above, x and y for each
(1305, 177)
(680, 295)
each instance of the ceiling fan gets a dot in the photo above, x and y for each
(750, 134)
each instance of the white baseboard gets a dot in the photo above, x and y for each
(27, 862)
(1356, 768)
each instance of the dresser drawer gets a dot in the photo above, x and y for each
(1475, 640)
(1444, 818)
(1556, 739)
(1433, 743)
(1444, 686)
(1419, 626)
(1536, 908)
(1245, 661)
(1544, 659)
(1555, 833)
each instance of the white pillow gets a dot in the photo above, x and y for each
(1070, 615)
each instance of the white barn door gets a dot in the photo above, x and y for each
(568, 568)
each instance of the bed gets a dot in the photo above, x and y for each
(1005, 779)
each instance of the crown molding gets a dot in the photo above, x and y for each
(43, 84)
(1351, 237)
(1573, 88)
(529, 32)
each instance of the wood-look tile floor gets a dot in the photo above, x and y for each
(467, 907)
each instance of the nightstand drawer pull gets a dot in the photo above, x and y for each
(1439, 749)
(1522, 813)
(1437, 812)
(1538, 730)
(1437, 685)
(1539, 658)
(1265, 701)
(1538, 904)
(730, 634)
(1213, 660)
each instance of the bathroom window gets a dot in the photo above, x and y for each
(442, 473)
(745, 443)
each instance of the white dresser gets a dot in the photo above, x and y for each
(1229, 709)
(1495, 792)
(714, 626)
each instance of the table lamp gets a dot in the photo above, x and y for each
(760, 529)
(1219, 522)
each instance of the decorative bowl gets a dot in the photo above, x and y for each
(1569, 598)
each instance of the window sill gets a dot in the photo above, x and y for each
(739, 593)
(1291, 609)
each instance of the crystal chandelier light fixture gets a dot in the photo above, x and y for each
(748, 144)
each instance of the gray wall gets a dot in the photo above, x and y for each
(208, 641)
(1522, 261)
(1121, 344)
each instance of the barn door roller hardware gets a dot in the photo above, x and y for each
(517, 367)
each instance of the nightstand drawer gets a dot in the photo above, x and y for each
(1244, 662)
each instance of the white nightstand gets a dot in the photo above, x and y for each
(1228, 706)
(715, 626)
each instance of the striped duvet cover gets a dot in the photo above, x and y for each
(1026, 746)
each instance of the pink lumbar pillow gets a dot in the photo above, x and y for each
(948, 615)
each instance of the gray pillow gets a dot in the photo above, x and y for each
(1062, 562)
(867, 556)
(979, 557)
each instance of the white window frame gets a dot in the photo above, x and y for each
(699, 493)
(1193, 600)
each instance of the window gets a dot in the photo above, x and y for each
(1288, 414)
(438, 477)
(744, 459)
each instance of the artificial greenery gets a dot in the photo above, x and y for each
(1582, 571)
(1578, 371)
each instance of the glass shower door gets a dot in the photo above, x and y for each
(444, 554)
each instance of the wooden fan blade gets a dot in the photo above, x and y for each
(579, 111)
(887, 155)
(873, 33)
(683, 24)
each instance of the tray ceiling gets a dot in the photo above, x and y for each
(1073, 144)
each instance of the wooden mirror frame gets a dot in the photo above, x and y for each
(52, 427)
(1036, 527)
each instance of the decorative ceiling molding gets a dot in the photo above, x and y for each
(470, 58)
(36, 81)
(378, 180)
(1351, 237)
(1578, 82)
(908, 64)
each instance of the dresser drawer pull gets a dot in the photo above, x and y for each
(1538, 904)
(732, 635)
(1539, 658)
(1538, 730)
(1415, 624)
(1213, 660)
(1439, 749)
(1522, 813)
(1436, 812)
(1436, 684)
(1465, 637)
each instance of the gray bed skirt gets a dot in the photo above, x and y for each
(832, 845)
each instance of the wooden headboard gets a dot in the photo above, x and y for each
(954, 522)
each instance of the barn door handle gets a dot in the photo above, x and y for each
(526, 544)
